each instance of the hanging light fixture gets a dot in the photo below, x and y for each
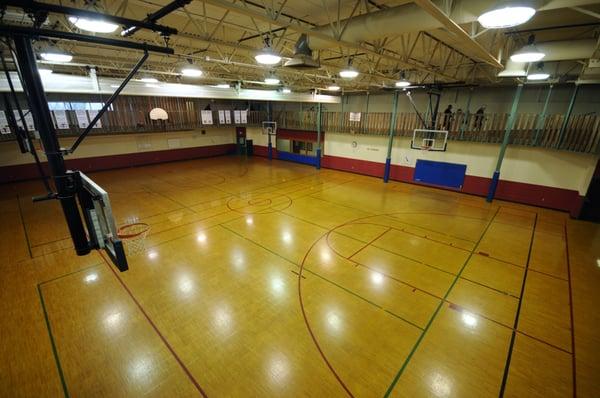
(403, 82)
(334, 87)
(190, 70)
(286, 90)
(44, 71)
(508, 13)
(93, 25)
(267, 56)
(349, 72)
(222, 85)
(54, 54)
(539, 73)
(528, 53)
(149, 79)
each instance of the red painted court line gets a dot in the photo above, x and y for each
(162, 337)
(574, 362)
(369, 243)
(520, 266)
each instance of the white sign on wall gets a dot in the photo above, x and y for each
(92, 116)
(28, 119)
(82, 118)
(61, 121)
(355, 116)
(227, 117)
(221, 117)
(206, 117)
(244, 117)
(237, 117)
(4, 129)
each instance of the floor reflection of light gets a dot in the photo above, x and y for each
(91, 278)
(286, 236)
(140, 369)
(334, 321)
(377, 278)
(440, 385)
(325, 255)
(185, 284)
(277, 285)
(113, 320)
(238, 260)
(152, 254)
(222, 318)
(249, 220)
(279, 369)
(469, 319)
(201, 237)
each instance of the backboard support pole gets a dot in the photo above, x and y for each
(64, 181)
(388, 159)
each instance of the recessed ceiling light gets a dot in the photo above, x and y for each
(191, 71)
(149, 80)
(44, 71)
(512, 14)
(53, 54)
(93, 25)
(538, 76)
(271, 80)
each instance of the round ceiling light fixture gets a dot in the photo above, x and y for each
(267, 56)
(44, 71)
(286, 90)
(506, 14)
(190, 70)
(93, 25)
(539, 73)
(334, 87)
(272, 80)
(149, 79)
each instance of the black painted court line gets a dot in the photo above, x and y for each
(516, 324)
(24, 227)
(53, 344)
(574, 362)
(437, 310)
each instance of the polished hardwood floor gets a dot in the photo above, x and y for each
(264, 279)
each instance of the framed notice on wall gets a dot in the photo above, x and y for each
(244, 117)
(237, 117)
(82, 118)
(228, 117)
(221, 117)
(355, 116)
(206, 117)
(4, 129)
(60, 120)
(28, 119)
(92, 116)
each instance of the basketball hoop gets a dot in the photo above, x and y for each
(134, 237)
(425, 147)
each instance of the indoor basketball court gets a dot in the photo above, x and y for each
(343, 199)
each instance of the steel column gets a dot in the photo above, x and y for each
(509, 126)
(269, 118)
(388, 159)
(64, 180)
(318, 159)
(563, 128)
(541, 121)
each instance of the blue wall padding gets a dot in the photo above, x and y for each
(444, 174)
(294, 157)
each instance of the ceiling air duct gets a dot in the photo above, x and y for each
(302, 56)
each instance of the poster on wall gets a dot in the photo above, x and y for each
(92, 116)
(237, 117)
(206, 117)
(28, 119)
(221, 117)
(82, 119)
(244, 117)
(227, 117)
(355, 116)
(60, 120)
(4, 129)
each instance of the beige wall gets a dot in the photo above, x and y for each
(105, 145)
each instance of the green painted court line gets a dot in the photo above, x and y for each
(53, 343)
(516, 324)
(69, 273)
(437, 310)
